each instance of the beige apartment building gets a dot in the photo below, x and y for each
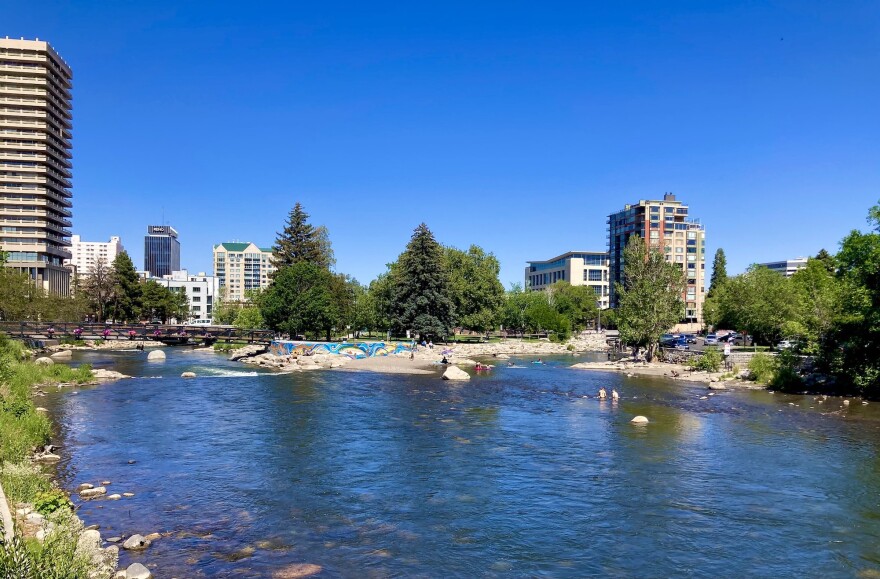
(665, 225)
(35, 161)
(240, 267)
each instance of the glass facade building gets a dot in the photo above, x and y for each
(161, 250)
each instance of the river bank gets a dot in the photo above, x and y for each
(43, 535)
(424, 360)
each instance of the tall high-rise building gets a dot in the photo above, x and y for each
(239, 267)
(664, 225)
(35, 161)
(161, 250)
(87, 253)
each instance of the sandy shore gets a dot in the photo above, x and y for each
(393, 365)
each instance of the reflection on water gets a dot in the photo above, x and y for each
(521, 472)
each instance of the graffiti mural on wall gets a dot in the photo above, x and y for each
(355, 350)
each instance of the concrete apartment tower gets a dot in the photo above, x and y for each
(86, 254)
(161, 250)
(664, 225)
(35, 161)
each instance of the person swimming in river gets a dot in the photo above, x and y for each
(614, 395)
(602, 394)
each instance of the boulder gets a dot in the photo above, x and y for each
(88, 546)
(502, 357)
(94, 492)
(156, 355)
(297, 571)
(62, 355)
(188, 375)
(639, 420)
(44, 361)
(136, 543)
(153, 536)
(47, 457)
(246, 352)
(128, 495)
(35, 518)
(717, 386)
(137, 571)
(455, 373)
(102, 374)
(114, 497)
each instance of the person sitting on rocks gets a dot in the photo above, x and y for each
(444, 360)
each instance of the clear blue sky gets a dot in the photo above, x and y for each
(518, 126)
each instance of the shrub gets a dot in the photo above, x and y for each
(47, 502)
(570, 347)
(762, 368)
(710, 361)
(787, 375)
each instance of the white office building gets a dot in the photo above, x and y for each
(788, 267)
(85, 254)
(200, 292)
(588, 268)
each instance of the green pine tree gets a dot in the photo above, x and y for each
(719, 272)
(421, 290)
(127, 289)
(301, 242)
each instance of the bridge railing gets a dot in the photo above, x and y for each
(158, 332)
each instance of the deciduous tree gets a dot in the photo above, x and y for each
(650, 297)
(475, 290)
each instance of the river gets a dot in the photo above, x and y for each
(521, 473)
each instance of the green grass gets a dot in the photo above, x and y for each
(22, 429)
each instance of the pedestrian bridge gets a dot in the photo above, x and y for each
(39, 333)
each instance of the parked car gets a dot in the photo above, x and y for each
(691, 338)
(730, 338)
(711, 339)
(786, 345)
(680, 343)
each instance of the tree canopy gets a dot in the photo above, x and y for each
(650, 297)
(300, 301)
(474, 288)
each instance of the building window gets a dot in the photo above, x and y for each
(594, 275)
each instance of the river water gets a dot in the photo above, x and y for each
(521, 473)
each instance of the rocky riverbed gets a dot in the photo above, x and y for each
(424, 360)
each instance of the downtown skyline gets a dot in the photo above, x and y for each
(520, 133)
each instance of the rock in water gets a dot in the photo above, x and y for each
(137, 571)
(156, 355)
(136, 543)
(44, 361)
(188, 375)
(717, 386)
(639, 420)
(454, 373)
(95, 492)
(62, 355)
(297, 571)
